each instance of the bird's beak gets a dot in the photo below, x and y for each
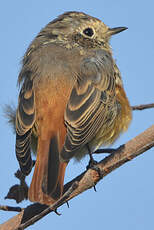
(116, 30)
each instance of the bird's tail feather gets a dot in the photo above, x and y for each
(48, 178)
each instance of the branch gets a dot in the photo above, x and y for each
(108, 150)
(84, 181)
(9, 208)
(141, 107)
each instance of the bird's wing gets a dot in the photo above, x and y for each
(91, 99)
(25, 118)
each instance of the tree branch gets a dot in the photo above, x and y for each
(141, 107)
(84, 181)
(9, 208)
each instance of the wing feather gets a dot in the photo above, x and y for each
(89, 103)
(25, 118)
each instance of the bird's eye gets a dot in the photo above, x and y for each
(88, 32)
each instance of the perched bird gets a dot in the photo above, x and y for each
(71, 99)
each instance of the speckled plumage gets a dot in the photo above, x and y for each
(71, 96)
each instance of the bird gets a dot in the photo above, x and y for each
(71, 100)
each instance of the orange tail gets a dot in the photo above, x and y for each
(48, 178)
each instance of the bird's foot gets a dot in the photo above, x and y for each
(57, 213)
(67, 204)
(93, 165)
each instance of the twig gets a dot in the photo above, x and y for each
(107, 150)
(144, 106)
(10, 209)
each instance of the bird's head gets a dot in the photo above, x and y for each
(79, 29)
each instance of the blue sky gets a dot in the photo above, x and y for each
(125, 198)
